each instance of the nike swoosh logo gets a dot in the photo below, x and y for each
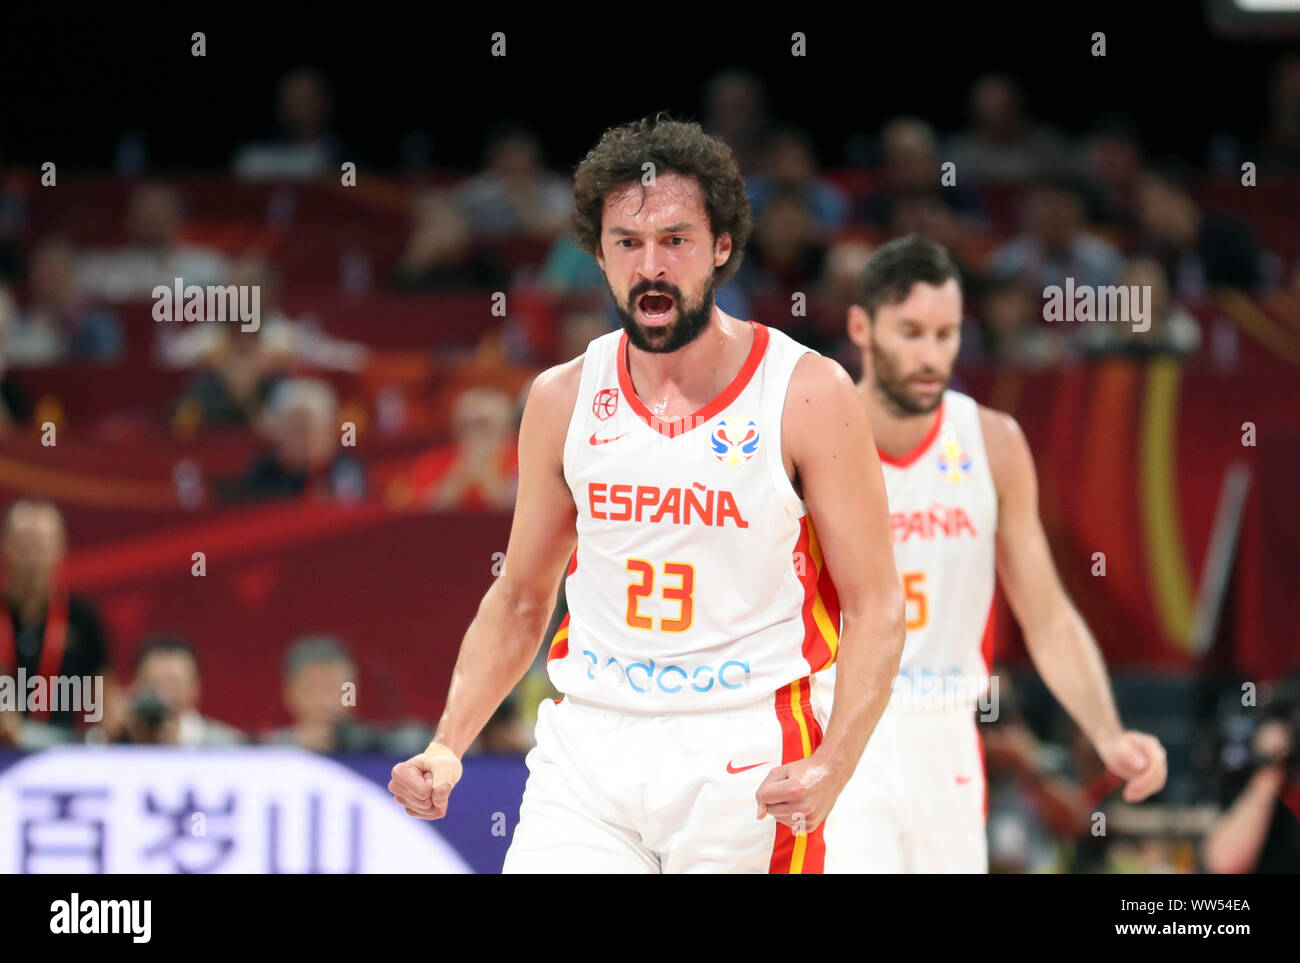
(731, 768)
(593, 440)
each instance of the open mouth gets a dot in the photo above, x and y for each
(654, 306)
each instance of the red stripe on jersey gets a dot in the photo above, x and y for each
(905, 461)
(986, 653)
(672, 427)
(560, 641)
(986, 643)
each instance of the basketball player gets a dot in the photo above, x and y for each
(712, 474)
(964, 503)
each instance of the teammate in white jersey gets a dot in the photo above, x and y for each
(696, 479)
(964, 504)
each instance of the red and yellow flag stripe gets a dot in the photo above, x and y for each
(801, 734)
(821, 605)
(560, 641)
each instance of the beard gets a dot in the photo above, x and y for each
(691, 319)
(891, 385)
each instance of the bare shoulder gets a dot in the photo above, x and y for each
(999, 428)
(547, 411)
(823, 413)
(818, 379)
(1006, 447)
(553, 392)
(558, 383)
(821, 401)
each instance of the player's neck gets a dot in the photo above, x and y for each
(896, 434)
(679, 383)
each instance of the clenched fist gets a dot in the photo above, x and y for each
(1139, 760)
(799, 794)
(423, 783)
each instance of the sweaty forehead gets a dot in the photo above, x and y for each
(671, 199)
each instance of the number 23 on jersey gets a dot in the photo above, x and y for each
(683, 593)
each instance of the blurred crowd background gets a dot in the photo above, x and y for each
(220, 552)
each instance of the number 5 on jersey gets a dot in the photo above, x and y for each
(914, 594)
(682, 593)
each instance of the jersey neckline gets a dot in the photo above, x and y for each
(672, 427)
(910, 458)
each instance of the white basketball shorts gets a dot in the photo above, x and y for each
(616, 792)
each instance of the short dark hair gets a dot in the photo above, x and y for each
(672, 147)
(896, 266)
(315, 650)
(167, 644)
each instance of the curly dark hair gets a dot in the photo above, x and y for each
(671, 146)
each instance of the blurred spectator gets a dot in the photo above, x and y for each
(1113, 170)
(302, 422)
(233, 386)
(911, 156)
(842, 274)
(569, 269)
(578, 329)
(1003, 143)
(1282, 136)
(735, 110)
(480, 468)
(15, 408)
(930, 217)
(1259, 830)
(515, 195)
(304, 146)
(167, 671)
(153, 254)
(318, 671)
(785, 253)
(1014, 332)
(44, 631)
(1198, 249)
(441, 254)
(1055, 244)
(789, 164)
(320, 678)
(837, 291)
(1173, 331)
(59, 323)
(1036, 807)
(281, 339)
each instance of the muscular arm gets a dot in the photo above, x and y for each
(503, 638)
(829, 442)
(1055, 634)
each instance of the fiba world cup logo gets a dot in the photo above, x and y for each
(953, 461)
(734, 440)
(605, 403)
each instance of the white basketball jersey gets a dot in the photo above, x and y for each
(943, 509)
(943, 513)
(697, 582)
